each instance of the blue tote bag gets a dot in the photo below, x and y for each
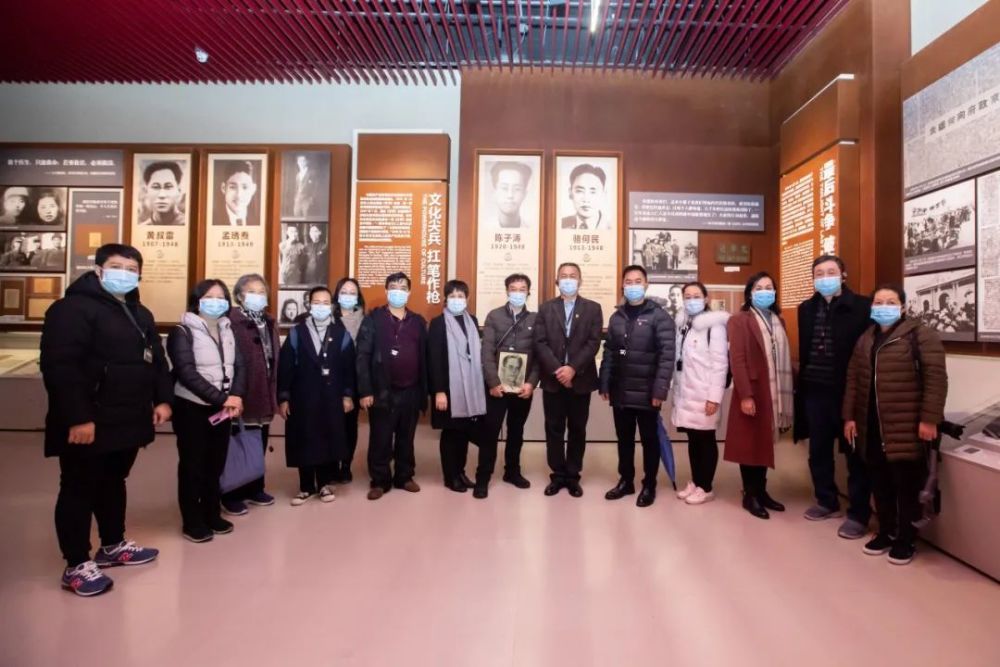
(244, 460)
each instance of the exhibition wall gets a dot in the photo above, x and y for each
(929, 19)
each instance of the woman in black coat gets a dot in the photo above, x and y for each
(316, 388)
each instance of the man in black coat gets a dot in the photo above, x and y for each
(636, 368)
(392, 384)
(830, 323)
(567, 338)
(109, 385)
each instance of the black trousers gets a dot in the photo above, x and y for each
(351, 432)
(754, 479)
(454, 446)
(826, 430)
(250, 489)
(202, 449)
(91, 485)
(515, 410)
(626, 420)
(896, 486)
(703, 453)
(392, 427)
(313, 478)
(566, 415)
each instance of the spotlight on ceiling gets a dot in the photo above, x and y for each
(595, 12)
(201, 55)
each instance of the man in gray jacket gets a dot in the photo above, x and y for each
(508, 331)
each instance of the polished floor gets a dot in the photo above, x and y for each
(439, 579)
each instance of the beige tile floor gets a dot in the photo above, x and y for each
(439, 579)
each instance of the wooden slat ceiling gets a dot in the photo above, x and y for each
(397, 41)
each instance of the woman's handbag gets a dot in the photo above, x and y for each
(245, 458)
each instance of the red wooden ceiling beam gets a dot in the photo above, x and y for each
(334, 35)
(626, 31)
(653, 59)
(738, 40)
(768, 21)
(254, 36)
(785, 21)
(291, 15)
(791, 51)
(371, 38)
(387, 16)
(705, 38)
(395, 56)
(798, 24)
(507, 38)
(216, 39)
(671, 52)
(443, 46)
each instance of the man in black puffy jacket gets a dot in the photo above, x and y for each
(638, 362)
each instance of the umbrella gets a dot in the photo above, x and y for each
(666, 451)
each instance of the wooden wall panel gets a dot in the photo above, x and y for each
(404, 157)
(829, 117)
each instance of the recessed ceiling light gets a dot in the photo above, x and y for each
(201, 55)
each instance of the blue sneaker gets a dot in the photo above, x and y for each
(126, 553)
(86, 580)
(234, 507)
(261, 499)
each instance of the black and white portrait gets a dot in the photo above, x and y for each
(666, 254)
(237, 186)
(940, 229)
(161, 186)
(509, 191)
(303, 254)
(513, 368)
(587, 192)
(669, 297)
(945, 302)
(305, 185)
(291, 306)
(33, 208)
(33, 251)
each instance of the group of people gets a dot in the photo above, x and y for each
(948, 316)
(35, 206)
(877, 389)
(26, 252)
(662, 253)
(302, 262)
(937, 232)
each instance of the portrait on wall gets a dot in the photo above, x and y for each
(945, 302)
(303, 254)
(237, 185)
(32, 252)
(669, 255)
(510, 191)
(940, 229)
(513, 367)
(32, 208)
(669, 297)
(305, 185)
(587, 192)
(161, 187)
(291, 306)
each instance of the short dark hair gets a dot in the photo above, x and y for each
(201, 289)
(701, 287)
(399, 275)
(829, 258)
(172, 167)
(456, 286)
(634, 267)
(336, 293)
(232, 167)
(516, 278)
(582, 169)
(892, 287)
(109, 250)
(748, 291)
(509, 165)
(573, 264)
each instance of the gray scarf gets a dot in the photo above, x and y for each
(466, 385)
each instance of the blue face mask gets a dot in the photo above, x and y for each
(886, 316)
(213, 308)
(398, 298)
(320, 311)
(456, 305)
(635, 292)
(517, 299)
(119, 281)
(828, 286)
(763, 299)
(694, 306)
(568, 286)
(348, 301)
(255, 302)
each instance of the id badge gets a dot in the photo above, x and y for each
(325, 372)
(395, 353)
(621, 352)
(147, 355)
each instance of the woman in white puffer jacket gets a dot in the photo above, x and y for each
(698, 387)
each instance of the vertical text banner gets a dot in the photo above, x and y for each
(402, 226)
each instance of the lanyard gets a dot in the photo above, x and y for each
(131, 318)
(324, 343)
(770, 331)
(569, 319)
(511, 328)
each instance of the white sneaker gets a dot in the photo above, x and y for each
(699, 497)
(686, 491)
(326, 494)
(301, 498)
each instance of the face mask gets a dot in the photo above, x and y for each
(886, 316)
(568, 286)
(635, 292)
(398, 298)
(320, 311)
(694, 306)
(213, 308)
(763, 298)
(348, 301)
(828, 286)
(456, 305)
(119, 281)
(517, 299)
(255, 302)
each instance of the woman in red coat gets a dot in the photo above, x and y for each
(762, 401)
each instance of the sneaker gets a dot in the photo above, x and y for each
(126, 553)
(820, 513)
(700, 497)
(852, 530)
(901, 553)
(878, 545)
(220, 526)
(234, 507)
(686, 491)
(326, 495)
(301, 497)
(261, 499)
(86, 580)
(198, 535)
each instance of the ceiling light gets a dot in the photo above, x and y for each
(201, 55)
(595, 11)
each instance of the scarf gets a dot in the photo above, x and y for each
(779, 367)
(466, 386)
(317, 332)
(257, 317)
(352, 321)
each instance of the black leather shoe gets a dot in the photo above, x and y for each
(464, 479)
(553, 488)
(770, 503)
(481, 491)
(457, 486)
(646, 497)
(752, 504)
(575, 489)
(517, 480)
(622, 489)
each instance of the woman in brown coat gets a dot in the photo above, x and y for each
(762, 401)
(897, 383)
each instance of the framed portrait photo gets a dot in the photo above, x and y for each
(513, 368)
